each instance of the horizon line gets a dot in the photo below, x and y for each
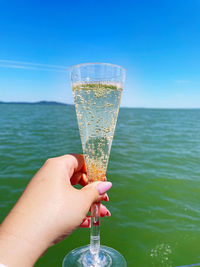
(63, 103)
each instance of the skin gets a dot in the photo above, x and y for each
(49, 210)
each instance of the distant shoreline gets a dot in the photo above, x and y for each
(55, 103)
(37, 103)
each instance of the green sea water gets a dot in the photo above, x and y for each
(155, 170)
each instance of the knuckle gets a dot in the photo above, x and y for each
(49, 161)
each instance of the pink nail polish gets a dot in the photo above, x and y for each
(103, 187)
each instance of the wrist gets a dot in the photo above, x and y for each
(14, 251)
(17, 245)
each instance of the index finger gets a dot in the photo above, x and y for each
(79, 163)
(72, 163)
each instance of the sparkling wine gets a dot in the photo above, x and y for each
(97, 106)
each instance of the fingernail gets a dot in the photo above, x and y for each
(85, 223)
(103, 187)
(108, 213)
(106, 198)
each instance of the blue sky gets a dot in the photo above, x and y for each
(158, 42)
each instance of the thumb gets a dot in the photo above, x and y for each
(93, 192)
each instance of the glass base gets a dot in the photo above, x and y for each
(81, 257)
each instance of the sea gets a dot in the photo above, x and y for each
(154, 167)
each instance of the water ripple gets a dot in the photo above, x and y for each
(154, 167)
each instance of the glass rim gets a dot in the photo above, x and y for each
(97, 63)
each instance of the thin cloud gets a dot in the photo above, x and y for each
(30, 66)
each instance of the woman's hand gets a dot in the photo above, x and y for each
(49, 210)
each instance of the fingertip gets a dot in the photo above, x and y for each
(104, 198)
(83, 181)
(104, 211)
(95, 191)
(75, 179)
(103, 187)
(108, 214)
(84, 169)
(86, 223)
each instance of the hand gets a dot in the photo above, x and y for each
(49, 209)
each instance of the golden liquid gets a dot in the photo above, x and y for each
(97, 106)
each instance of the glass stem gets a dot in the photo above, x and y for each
(95, 232)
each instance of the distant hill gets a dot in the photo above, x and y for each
(37, 103)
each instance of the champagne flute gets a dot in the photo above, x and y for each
(97, 89)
